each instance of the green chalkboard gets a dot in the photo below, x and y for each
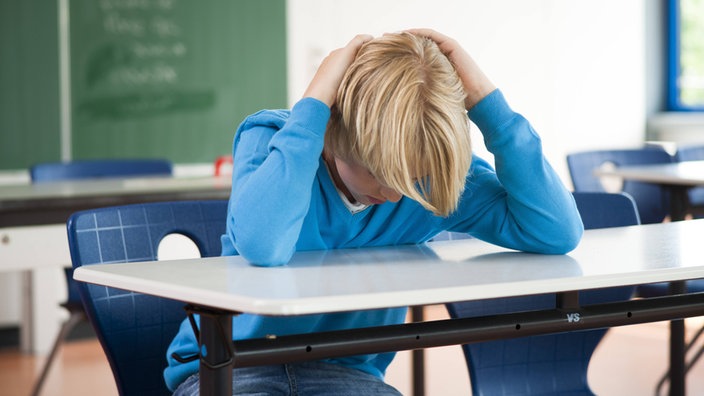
(29, 83)
(172, 78)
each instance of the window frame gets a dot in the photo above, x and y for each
(674, 66)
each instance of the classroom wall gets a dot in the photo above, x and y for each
(120, 78)
(575, 69)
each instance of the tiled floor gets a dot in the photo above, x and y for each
(629, 361)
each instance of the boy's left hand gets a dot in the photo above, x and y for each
(476, 84)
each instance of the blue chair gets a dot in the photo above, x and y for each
(554, 364)
(696, 209)
(74, 170)
(696, 195)
(653, 201)
(135, 329)
(102, 168)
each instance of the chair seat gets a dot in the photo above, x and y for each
(663, 288)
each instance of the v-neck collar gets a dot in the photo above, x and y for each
(353, 208)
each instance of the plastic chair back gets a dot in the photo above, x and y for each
(135, 329)
(86, 169)
(696, 195)
(652, 200)
(690, 153)
(102, 168)
(554, 364)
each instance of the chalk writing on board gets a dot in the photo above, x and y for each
(136, 68)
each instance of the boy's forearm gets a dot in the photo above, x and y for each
(271, 199)
(537, 201)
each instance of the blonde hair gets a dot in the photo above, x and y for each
(400, 113)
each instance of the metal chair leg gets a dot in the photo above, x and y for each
(74, 319)
(688, 365)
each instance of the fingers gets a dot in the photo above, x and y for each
(331, 71)
(359, 40)
(429, 33)
(349, 52)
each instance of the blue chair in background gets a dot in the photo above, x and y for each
(696, 209)
(554, 364)
(696, 195)
(135, 329)
(75, 170)
(101, 168)
(653, 201)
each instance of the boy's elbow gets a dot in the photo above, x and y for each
(568, 239)
(264, 253)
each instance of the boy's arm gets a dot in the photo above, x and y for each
(523, 205)
(275, 164)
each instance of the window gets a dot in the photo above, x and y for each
(685, 55)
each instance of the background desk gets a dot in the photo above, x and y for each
(440, 272)
(677, 178)
(33, 233)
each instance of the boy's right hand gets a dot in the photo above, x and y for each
(327, 79)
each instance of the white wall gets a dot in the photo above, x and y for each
(575, 69)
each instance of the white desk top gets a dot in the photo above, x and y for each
(111, 186)
(439, 272)
(688, 173)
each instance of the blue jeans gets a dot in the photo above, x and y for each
(304, 379)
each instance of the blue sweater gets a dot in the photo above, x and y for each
(283, 200)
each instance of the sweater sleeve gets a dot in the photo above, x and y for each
(522, 204)
(275, 160)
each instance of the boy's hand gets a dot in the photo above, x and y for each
(331, 71)
(476, 84)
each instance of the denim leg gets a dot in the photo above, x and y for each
(298, 379)
(320, 378)
(247, 381)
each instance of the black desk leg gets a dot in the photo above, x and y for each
(418, 357)
(679, 202)
(216, 353)
(677, 348)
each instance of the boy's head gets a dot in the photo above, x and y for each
(400, 113)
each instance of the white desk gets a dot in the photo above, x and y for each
(33, 233)
(677, 177)
(441, 272)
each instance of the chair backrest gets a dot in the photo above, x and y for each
(690, 153)
(135, 329)
(101, 168)
(605, 210)
(653, 201)
(693, 153)
(554, 364)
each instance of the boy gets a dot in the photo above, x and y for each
(378, 153)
